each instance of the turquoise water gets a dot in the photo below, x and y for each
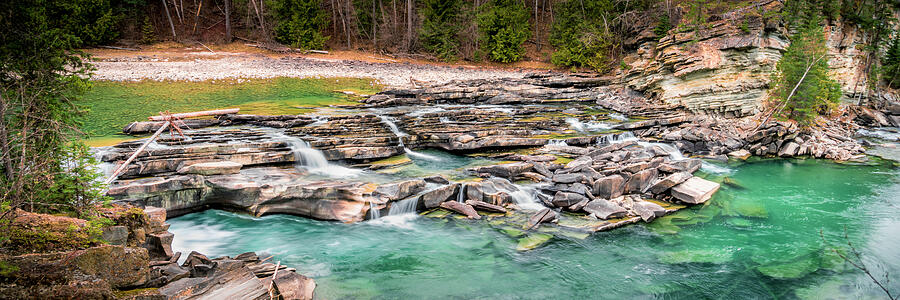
(759, 237)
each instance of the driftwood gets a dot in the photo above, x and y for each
(168, 118)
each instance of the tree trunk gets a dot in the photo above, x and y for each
(227, 21)
(168, 16)
(409, 25)
(4, 142)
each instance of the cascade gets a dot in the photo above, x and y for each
(405, 206)
(373, 211)
(524, 198)
(674, 154)
(582, 127)
(400, 134)
(461, 195)
(617, 138)
(314, 160)
(557, 143)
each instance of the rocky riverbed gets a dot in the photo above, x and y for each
(548, 155)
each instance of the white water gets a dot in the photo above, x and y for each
(617, 116)
(883, 133)
(314, 160)
(557, 143)
(400, 134)
(461, 195)
(673, 152)
(405, 206)
(524, 198)
(616, 138)
(105, 168)
(715, 169)
(583, 127)
(374, 213)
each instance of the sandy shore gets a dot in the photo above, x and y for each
(394, 74)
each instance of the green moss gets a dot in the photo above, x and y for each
(112, 105)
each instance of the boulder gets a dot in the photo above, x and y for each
(609, 187)
(115, 235)
(484, 206)
(211, 168)
(439, 179)
(291, 285)
(669, 181)
(579, 163)
(399, 190)
(505, 170)
(433, 198)
(789, 150)
(640, 181)
(542, 216)
(686, 165)
(239, 283)
(648, 210)
(160, 245)
(695, 190)
(741, 154)
(568, 178)
(603, 209)
(461, 208)
(566, 199)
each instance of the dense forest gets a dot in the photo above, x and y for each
(574, 33)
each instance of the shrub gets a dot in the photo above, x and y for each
(579, 37)
(504, 27)
(300, 23)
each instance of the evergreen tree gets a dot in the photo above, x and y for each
(802, 87)
(300, 23)
(891, 68)
(579, 35)
(504, 27)
(440, 27)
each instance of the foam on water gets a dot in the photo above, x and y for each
(557, 143)
(715, 169)
(391, 124)
(616, 138)
(524, 198)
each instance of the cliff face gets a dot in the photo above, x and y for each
(725, 68)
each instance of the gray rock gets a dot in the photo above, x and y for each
(484, 206)
(669, 181)
(542, 216)
(648, 210)
(211, 168)
(609, 187)
(399, 190)
(506, 170)
(695, 190)
(565, 199)
(115, 235)
(461, 208)
(568, 178)
(433, 198)
(603, 209)
(439, 179)
(789, 150)
(294, 286)
(640, 181)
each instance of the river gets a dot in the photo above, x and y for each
(759, 237)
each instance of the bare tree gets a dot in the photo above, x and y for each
(857, 262)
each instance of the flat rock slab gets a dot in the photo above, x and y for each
(461, 208)
(695, 190)
(603, 209)
(212, 168)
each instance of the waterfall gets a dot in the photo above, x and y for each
(405, 206)
(105, 168)
(373, 211)
(557, 143)
(461, 195)
(400, 134)
(617, 116)
(582, 127)
(524, 198)
(673, 152)
(314, 160)
(616, 138)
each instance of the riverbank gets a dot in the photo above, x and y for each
(198, 64)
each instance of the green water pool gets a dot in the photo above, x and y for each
(112, 105)
(759, 237)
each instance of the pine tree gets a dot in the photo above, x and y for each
(440, 27)
(891, 68)
(300, 23)
(504, 27)
(148, 35)
(802, 87)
